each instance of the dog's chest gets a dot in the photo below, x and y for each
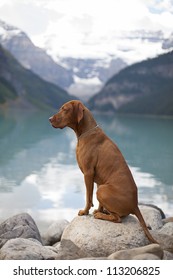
(80, 156)
(83, 156)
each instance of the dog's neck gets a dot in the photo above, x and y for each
(86, 125)
(87, 132)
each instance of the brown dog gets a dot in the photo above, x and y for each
(101, 162)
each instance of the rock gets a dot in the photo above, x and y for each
(94, 258)
(130, 254)
(167, 229)
(164, 240)
(101, 238)
(54, 232)
(21, 225)
(56, 244)
(24, 249)
(152, 216)
(86, 238)
(67, 250)
(51, 248)
(155, 207)
(146, 257)
(167, 255)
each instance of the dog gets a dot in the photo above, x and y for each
(101, 161)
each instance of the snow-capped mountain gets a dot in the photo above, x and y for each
(32, 57)
(94, 62)
(80, 77)
(84, 71)
(90, 74)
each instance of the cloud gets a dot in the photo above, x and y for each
(103, 15)
(27, 15)
(85, 16)
(164, 5)
(109, 14)
(86, 26)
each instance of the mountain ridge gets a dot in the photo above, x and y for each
(75, 75)
(31, 57)
(143, 88)
(19, 87)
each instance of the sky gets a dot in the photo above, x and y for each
(85, 25)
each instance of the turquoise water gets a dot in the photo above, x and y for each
(39, 172)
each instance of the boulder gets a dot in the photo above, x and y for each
(25, 249)
(146, 256)
(21, 225)
(152, 216)
(167, 255)
(153, 206)
(100, 238)
(54, 232)
(67, 250)
(167, 229)
(87, 238)
(164, 240)
(130, 254)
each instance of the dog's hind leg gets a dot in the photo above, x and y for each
(107, 198)
(112, 217)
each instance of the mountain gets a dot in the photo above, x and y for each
(168, 42)
(142, 88)
(91, 58)
(90, 74)
(80, 77)
(19, 87)
(32, 57)
(85, 76)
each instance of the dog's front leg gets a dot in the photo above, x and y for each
(89, 183)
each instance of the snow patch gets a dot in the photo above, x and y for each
(89, 81)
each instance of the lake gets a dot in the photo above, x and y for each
(39, 173)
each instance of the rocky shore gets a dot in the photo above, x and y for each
(88, 238)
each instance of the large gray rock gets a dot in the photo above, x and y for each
(101, 238)
(25, 249)
(155, 207)
(54, 232)
(146, 256)
(167, 229)
(152, 216)
(21, 225)
(67, 250)
(130, 254)
(164, 240)
(167, 256)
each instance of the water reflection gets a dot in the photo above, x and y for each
(39, 173)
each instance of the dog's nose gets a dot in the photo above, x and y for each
(50, 119)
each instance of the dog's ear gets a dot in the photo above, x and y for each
(80, 113)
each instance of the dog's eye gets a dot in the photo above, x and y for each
(62, 109)
(65, 110)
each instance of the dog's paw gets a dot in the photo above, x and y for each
(101, 211)
(98, 215)
(96, 211)
(83, 212)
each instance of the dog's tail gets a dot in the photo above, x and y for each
(144, 226)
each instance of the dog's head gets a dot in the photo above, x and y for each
(70, 114)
